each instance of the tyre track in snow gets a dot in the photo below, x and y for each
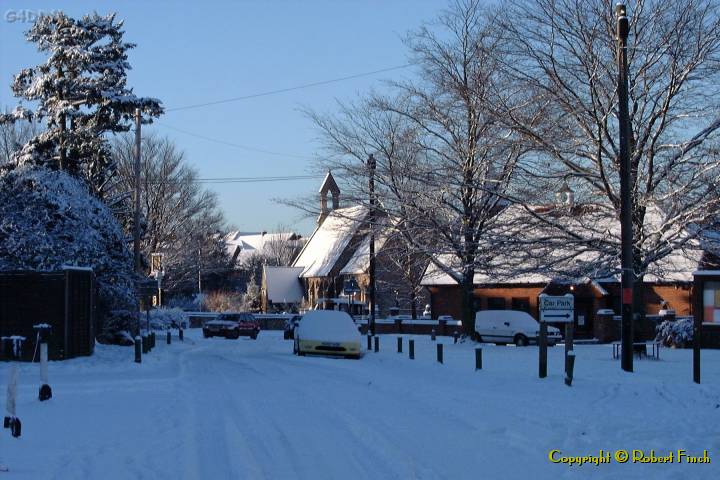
(402, 449)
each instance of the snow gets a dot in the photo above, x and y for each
(576, 262)
(49, 221)
(329, 240)
(360, 260)
(283, 284)
(328, 326)
(217, 408)
(243, 245)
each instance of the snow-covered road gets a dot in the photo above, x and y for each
(216, 409)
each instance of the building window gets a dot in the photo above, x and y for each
(711, 302)
(496, 303)
(521, 304)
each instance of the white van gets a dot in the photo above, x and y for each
(511, 326)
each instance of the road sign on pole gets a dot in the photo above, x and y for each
(557, 308)
(156, 263)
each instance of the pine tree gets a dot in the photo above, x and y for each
(82, 94)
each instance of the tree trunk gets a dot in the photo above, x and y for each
(413, 304)
(639, 308)
(467, 292)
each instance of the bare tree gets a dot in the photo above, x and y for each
(181, 219)
(281, 247)
(444, 162)
(560, 55)
(12, 138)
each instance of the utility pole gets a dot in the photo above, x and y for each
(626, 207)
(199, 273)
(371, 219)
(136, 218)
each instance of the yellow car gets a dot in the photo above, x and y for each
(327, 332)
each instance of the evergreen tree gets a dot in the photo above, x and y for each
(81, 93)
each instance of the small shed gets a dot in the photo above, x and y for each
(63, 299)
(281, 288)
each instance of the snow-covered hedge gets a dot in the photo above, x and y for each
(48, 220)
(166, 318)
(675, 333)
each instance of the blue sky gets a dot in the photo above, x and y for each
(204, 51)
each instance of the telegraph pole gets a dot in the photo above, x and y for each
(626, 207)
(136, 218)
(199, 272)
(371, 218)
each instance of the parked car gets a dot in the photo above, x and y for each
(232, 325)
(327, 332)
(511, 326)
(290, 325)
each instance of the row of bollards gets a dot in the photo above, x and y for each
(145, 343)
(374, 345)
(569, 353)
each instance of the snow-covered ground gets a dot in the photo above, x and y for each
(244, 409)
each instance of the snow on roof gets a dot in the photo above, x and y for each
(282, 284)
(571, 263)
(329, 240)
(329, 184)
(244, 244)
(360, 260)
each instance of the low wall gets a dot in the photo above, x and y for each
(414, 327)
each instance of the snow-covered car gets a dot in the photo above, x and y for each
(511, 326)
(327, 332)
(232, 325)
(290, 325)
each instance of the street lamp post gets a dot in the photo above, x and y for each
(626, 226)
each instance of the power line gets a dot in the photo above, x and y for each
(289, 89)
(238, 179)
(232, 144)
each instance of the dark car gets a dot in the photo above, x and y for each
(232, 325)
(290, 324)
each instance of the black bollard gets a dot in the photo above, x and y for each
(440, 353)
(542, 349)
(377, 344)
(432, 335)
(399, 343)
(411, 349)
(181, 334)
(456, 335)
(570, 368)
(145, 343)
(43, 332)
(138, 349)
(169, 337)
(15, 427)
(369, 341)
(478, 358)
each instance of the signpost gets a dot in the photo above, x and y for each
(350, 288)
(555, 309)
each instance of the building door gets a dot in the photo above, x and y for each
(584, 316)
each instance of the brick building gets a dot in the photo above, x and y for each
(668, 284)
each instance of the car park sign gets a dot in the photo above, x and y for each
(557, 308)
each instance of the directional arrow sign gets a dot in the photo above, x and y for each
(557, 308)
